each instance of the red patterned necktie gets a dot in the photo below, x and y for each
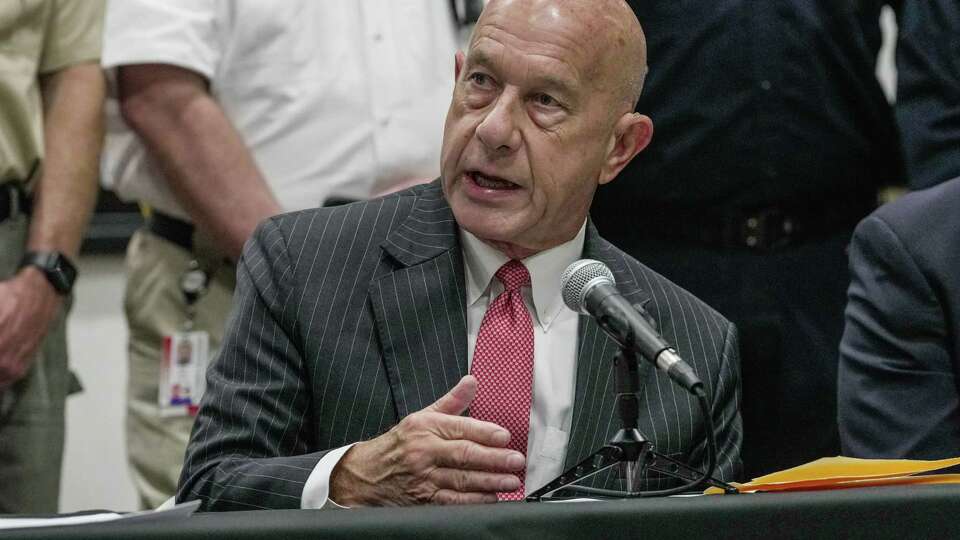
(503, 364)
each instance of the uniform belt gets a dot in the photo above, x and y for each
(13, 201)
(338, 201)
(171, 229)
(759, 229)
(181, 232)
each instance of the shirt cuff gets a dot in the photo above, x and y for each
(316, 492)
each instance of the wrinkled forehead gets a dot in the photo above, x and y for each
(509, 54)
(550, 37)
(593, 37)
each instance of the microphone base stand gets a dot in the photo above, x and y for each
(628, 449)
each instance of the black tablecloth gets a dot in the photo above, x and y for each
(893, 512)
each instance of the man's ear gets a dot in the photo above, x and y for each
(631, 134)
(458, 61)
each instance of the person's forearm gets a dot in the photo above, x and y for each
(73, 134)
(208, 166)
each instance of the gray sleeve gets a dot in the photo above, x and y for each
(726, 410)
(249, 447)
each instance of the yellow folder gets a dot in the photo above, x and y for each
(844, 472)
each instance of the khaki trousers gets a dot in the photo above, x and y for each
(32, 410)
(155, 307)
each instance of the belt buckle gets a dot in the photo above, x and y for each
(767, 229)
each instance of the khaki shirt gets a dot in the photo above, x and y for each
(38, 37)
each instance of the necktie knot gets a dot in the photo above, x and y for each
(513, 275)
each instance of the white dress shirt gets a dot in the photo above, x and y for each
(555, 329)
(333, 97)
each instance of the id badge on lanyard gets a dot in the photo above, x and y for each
(185, 354)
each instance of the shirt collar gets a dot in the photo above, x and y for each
(482, 261)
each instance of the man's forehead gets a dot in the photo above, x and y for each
(600, 40)
(542, 65)
(550, 30)
(589, 23)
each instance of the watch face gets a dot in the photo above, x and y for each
(61, 279)
(55, 267)
(66, 272)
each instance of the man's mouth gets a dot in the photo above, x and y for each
(491, 182)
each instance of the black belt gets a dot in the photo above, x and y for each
(13, 200)
(181, 232)
(338, 201)
(760, 229)
(171, 229)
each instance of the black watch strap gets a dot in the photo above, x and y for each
(57, 268)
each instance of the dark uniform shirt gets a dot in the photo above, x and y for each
(757, 103)
(771, 132)
(771, 137)
(928, 89)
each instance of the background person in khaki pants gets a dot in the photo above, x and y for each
(51, 96)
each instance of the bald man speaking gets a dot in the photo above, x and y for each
(415, 349)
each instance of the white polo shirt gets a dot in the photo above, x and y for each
(333, 97)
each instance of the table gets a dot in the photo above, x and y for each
(889, 512)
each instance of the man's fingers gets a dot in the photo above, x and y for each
(471, 462)
(458, 399)
(449, 496)
(473, 481)
(477, 457)
(454, 428)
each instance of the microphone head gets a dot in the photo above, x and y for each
(579, 278)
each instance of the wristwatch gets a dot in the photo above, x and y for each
(57, 268)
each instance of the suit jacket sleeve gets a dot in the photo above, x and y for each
(249, 447)
(897, 386)
(726, 410)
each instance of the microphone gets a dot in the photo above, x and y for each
(588, 287)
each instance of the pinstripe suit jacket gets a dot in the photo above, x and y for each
(347, 319)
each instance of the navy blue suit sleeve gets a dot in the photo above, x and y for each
(897, 386)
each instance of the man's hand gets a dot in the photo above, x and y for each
(28, 304)
(433, 456)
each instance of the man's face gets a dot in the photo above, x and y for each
(529, 130)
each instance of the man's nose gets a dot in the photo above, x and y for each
(498, 131)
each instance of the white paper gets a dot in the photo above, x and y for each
(180, 510)
(20, 523)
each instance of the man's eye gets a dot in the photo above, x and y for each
(545, 100)
(479, 79)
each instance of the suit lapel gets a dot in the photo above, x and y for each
(594, 419)
(420, 313)
(419, 305)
